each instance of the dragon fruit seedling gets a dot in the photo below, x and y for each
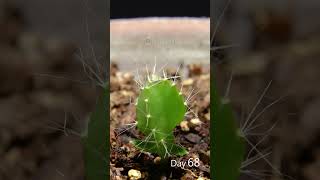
(160, 107)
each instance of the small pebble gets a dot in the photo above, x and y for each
(194, 156)
(127, 93)
(187, 82)
(205, 77)
(128, 77)
(157, 160)
(194, 69)
(184, 126)
(134, 174)
(195, 121)
(194, 138)
(200, 178)
(207, 116)
(187, 176)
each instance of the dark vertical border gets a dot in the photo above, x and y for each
(107, 30)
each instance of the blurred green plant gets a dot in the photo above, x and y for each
(228, 145)
(95, 139)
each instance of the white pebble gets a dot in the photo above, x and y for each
(134, 174)
(195, 121)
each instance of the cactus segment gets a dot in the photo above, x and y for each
(96, 151)
(160, 107)
(228, 146)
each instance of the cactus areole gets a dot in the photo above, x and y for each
(160, 107)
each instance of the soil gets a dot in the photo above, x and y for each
(193, 136)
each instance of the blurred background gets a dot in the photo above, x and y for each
(44, 92)
(272, 46)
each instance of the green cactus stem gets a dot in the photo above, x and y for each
(160, 108)
(228, 146)
(95, 139)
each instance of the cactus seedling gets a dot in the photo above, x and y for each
(159, 108)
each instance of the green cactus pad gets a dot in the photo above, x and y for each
(228, 146)
(95, 139)
(160, 107)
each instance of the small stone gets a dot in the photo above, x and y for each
(207, 116)
(134, 174)
(194, 156)
(157, 160)
(200, 178)
(163, 178)
(194, 138)
(128, 77)
(205, 77)
(118, 178)
(187, 82)
(195, 121)
(114, 84)
(184, 126)
(127, 93)
(204, 156)
(187, 176)
(194, 70)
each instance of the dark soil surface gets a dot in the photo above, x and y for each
(191, 133)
